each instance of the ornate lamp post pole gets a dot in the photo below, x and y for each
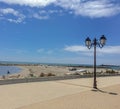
(100, 44)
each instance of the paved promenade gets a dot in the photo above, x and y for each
(14, 96)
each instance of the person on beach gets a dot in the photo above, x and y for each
(8, 72)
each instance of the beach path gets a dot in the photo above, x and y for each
(105, 98)
(28, 95)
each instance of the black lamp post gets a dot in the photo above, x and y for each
(95, 42)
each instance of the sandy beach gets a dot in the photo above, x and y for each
(29, 71)
(64, 94)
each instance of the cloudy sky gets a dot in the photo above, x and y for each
(54, 31)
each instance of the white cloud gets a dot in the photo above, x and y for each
(84, 50)
(40, 50)
(89, 8)
(50, 52)
(103, 8)
(17, 17)
(46, 52)
(110, 50)
(76, 48)
(40, 17)
(32, 3)
(45, 14)
(9, 11)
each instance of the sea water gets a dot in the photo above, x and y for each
(4, 70)
(115, 67)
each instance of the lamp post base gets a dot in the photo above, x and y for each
(95, 85)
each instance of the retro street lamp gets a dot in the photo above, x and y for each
(95, 43)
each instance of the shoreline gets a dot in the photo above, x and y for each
(54, 64)
(40, 71)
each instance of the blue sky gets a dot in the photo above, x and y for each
(54, 31)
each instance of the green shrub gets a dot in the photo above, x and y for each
(111, 71)
(42, 75)
(31, 75)
(50, 74)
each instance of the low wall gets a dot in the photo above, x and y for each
(53, 78)
(40, 79)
